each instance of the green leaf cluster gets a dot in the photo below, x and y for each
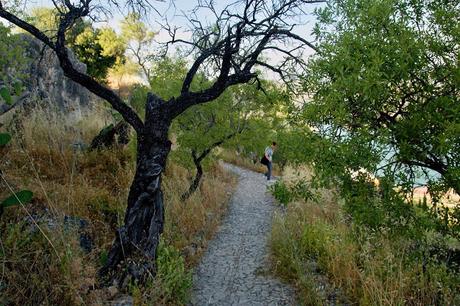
(12, 62)
(385, 88)
(21, 197)
(99, 48)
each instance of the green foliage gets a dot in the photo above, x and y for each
(384, 104)
(139, 41)
(106, 130)
(10, 92)
(281, 192)
(387, 77)
(5, 94)
(138, 97)
(298, 190)
(103, 257)
(133, 28)
(302, 189)
(21, 197)
(293, 251)
(294, 145)
(12, 61)
(172, 283)
(168, 74)
(5, 138)
(166, 82)
(176, 280)
(45, 19)
(111, 44)
(99, 48)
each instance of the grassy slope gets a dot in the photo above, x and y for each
(370, 268)
(41, 261)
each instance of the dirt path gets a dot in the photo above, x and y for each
(234, 269)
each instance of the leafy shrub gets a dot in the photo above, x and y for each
(5, 138)
(176, 279)
(302, 190)
(281, 192)
(299, 190)
(172, 283)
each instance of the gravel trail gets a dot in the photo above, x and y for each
(233, 270)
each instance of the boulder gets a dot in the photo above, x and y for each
(47, 87)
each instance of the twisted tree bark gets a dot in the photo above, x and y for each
(144, 218)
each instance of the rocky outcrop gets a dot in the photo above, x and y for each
(46, 86)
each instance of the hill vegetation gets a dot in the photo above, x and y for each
(370, 116)
(382, 118)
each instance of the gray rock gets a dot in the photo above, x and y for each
(69, 223)
(81, 225)
(124, 300)
(46, 85)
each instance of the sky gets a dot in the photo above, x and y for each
(174, 12)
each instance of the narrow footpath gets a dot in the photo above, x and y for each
(234, 269)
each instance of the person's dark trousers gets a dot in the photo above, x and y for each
(269, 171)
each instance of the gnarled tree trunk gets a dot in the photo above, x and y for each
(139, 237)
(197, 159)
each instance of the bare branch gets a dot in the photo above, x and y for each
(230, 56)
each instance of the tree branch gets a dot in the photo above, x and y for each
(233, 54)
(66, 64)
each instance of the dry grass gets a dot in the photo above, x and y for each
(190, 225)
(369, 268)
(41, 261)
(240, 160)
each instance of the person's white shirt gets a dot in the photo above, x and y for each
(269, 153)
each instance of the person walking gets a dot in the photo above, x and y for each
(268, 156)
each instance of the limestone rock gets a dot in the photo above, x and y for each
(48, 87)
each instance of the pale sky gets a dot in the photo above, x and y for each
(174, 14)
(181, 7)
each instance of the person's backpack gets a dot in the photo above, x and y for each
(264, 160)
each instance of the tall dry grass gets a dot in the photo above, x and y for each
(41, 261)
(314, 238)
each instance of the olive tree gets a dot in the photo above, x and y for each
(232, 120)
